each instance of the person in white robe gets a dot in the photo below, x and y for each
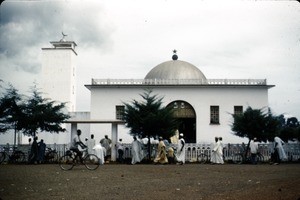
(100, 152)
(218, 149)
(90, 145)
(281, 152)
(213, 157)
(180, 154)
(221, 149)
(106, 143)
(136, 149)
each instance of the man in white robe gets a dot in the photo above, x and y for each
(90, 145)
(136, 149)
(180, 155)
(220, 151)
(100, 152)
(281, 152)
(213, 157)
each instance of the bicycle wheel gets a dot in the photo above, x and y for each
(202, 158)
(91, 162)
(52, 157)
(2, 157)
(260, 159)
(66, 162)
(237, 159)
(18, 157)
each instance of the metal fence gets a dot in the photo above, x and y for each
(192, 150)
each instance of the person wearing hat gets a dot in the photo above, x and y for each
(161, 156)
(180, 155)
(120, 150)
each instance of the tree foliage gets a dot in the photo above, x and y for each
(250, 124)
(149, 118)
(254, 123)
(290, 129)
(30, 114)
(43, 114)
(11, 110)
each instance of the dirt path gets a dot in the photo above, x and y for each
(190, 181)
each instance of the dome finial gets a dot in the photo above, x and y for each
(174, 57)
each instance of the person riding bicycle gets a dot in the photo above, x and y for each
(75, 142)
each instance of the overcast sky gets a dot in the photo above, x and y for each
(126, 39)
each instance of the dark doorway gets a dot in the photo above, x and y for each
(188, 128)
(186, 115)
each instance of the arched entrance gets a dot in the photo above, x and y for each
(186, 115)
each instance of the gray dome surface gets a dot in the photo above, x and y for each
(175, 69)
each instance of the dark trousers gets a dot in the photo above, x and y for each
(120, 155)
(254, 158)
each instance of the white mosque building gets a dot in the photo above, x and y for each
(204, 106)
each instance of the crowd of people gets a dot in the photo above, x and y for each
(165, 153)
(103, 149)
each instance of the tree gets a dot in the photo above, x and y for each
(31, 114)
(43, 114)
(290, 129)
(254, 123)
(11, 111)
(149, 118)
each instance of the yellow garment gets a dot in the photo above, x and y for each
(170, 152)
(161, 156)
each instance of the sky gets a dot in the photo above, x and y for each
(126, 39)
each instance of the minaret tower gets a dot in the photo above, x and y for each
(59, 72)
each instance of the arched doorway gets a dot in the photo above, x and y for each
(186, 115)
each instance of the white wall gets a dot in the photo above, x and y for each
(59, 75)
(104, 100)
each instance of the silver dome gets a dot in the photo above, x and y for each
(175, 69)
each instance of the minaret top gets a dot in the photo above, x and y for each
(62, 44)
(63, 38)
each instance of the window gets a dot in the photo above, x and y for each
(214, 115)
(119, 112)
(238, 110)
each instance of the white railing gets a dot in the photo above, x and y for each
(192, 150)
(179, 82)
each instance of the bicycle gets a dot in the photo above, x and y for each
(17, 156)
(70, 159)
(51, 156)
(240, 158)
(203, 156)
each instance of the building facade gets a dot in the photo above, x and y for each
(204, 106)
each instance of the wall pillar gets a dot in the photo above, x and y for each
(114, 139)
(73, 130)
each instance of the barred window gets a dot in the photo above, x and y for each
(214, 115)
(238, 110)
(119, 112)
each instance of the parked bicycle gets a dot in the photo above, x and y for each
(203, 156)
(16, 156)
(51, 156)
(70, 159)
(240, 158)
